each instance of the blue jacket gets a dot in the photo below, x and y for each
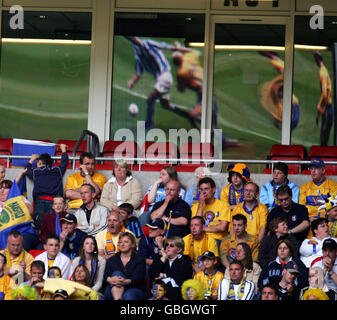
(267, 195)
(48, 180)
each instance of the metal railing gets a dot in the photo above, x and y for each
(141, 161)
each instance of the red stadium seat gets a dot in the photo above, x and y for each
(326, 153)
(194, 150)
(288, 152)
(6, 148)
(70, 147)
(118, 149)
(153, 149)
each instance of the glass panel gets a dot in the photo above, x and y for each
(154, 79)
(44, 86)
(314, 67)
(248, 87)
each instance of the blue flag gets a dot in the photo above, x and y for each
(24, 147)
(14, 216)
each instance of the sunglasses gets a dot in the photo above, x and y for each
(171, 245)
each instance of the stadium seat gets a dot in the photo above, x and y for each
(194, 150)
(70, 148)
(6, 148)
(288, 152)
(118, 149)
(326, 153)
(152, 149)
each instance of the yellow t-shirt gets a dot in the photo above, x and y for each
(310, 193)
(196, 248)
(210, 282)
(76, 180)
(213, 213)
(255, 221)
(5, 288)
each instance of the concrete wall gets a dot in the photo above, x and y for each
(187, 178)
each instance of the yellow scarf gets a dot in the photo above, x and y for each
(191, 251)
(110, 247)
(9, 259)
(231, 292)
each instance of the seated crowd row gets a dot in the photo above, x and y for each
(104, 239)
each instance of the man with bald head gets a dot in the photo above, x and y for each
(173, 210)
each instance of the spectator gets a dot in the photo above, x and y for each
(317, 189)
(239, 234)
(18, 261)
(209, 276)
(278, 230)
(269, 292)
(122, 187)
(236, 287)
(198, 242)
(255, 212)
(2, 172)
(53, 257)
(91, 216)
(238, 176)
(330, 206)
(173, 210)
(5, 288)
(172, 267)
(81, 275)
(158, 290)
(317, 281)
(192, 195)
(125, 272)
(328, 263)
(70, 237)
(243, 253)
(48, 182)
(37, 270)
(150, 246)
(24, 292)
(192, 289)
(273, 271)
(216, 213)
(51, 222)
(268, 190)
(296, 214)
(315, 294)
(312, 248)
(108, 240)
(86, 175)
(129, 221)
(95, 264)
(287, 288)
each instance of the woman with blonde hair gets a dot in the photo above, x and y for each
(122, 187)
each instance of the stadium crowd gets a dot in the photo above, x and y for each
(103, 239)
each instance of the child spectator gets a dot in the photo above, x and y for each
(209, 276)
(47, 182)
(130, 222)
(158, 290)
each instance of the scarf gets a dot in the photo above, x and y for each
(276, 203)
(333, 230)
(110, 247)
(8, 257)
(196, 195)
(232, 195)
(58, 225)
(231, 292)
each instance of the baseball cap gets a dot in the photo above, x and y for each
(69, 217)
(329, 244)
(292, 267)
(61, 293)
(156, 224)
(208, 255)
(316, 163)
